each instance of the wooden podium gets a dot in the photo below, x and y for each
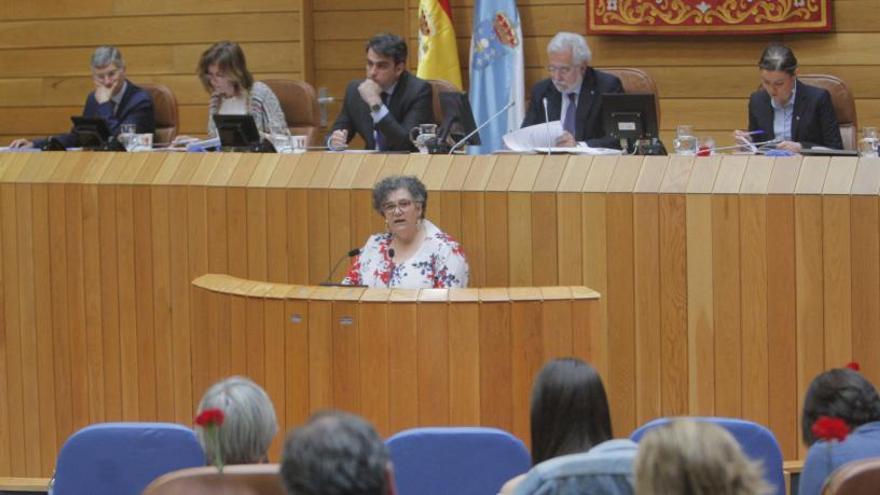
(401, 358)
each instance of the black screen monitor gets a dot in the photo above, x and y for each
(91, 132)
(630, 116)
(458, 119)
(237, 131)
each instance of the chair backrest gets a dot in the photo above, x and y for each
(300, 105)
(844, 105)
(244, 479)
(757, 442)
(164, 112)
(440, 86)
(854, 478)
(636, 81)
(463, 461)
(123, 458)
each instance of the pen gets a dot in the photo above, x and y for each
(754, 133)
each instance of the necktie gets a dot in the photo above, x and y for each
(568, 120)
(380, 140)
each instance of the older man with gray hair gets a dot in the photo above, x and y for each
(336, 453)
(115, 100)
(573, 94)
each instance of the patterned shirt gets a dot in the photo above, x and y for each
(439, 263)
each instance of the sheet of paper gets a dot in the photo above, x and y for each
(529, 138)
(580, 149)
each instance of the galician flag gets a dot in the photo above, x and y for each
(438, 53)
(496, 71)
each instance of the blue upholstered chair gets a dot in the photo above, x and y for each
(757, 442)
(460, 461)
(123, 458)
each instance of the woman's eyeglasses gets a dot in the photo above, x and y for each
(403, 204)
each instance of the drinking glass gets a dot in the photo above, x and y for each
(423, 135)
(868, 143)
(685, 142)
(126, 131)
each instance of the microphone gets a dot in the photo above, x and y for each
(391, 253)
(547, 125)
(328, 281)
(484, 124)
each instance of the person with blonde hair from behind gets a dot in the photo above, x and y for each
(249, 423)
(695, 458)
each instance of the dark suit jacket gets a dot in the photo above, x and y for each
(135, 107)
(410, 104)
(814, 122)
(588, 119)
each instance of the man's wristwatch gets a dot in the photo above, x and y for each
(375, 108)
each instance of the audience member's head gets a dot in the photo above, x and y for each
(840, 393)
(569, 410)
(223, 69)
(336, 453)
(695, 458)
(249, 421)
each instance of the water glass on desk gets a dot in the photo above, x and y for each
(868, 143)
(685, 142)
(126, 133)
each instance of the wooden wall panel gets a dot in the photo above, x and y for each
(705, 84)
(727, 284)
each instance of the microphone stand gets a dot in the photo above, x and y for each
(484, 124)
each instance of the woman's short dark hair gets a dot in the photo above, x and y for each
(388, 45)
(394, 182)
(569, 410)
(840, 393)
(230, 60)
(778, 58)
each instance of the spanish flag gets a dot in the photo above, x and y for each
(438, 54)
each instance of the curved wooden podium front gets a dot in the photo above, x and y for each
(401, 358)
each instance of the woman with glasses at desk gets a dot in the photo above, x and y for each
(412, 253)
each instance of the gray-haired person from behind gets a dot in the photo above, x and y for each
(249, 424)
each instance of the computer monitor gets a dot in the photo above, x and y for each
(91, 132)
(630, 116)
(237, 131)
(458, 119)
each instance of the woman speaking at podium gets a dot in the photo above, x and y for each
(412, 253)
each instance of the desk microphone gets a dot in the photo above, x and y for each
(484, 124)
(547, 125)
(328, 281)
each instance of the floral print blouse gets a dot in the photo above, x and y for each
(439, 263)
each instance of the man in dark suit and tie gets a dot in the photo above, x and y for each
(115, 100)
(383, 107)
(574, 94)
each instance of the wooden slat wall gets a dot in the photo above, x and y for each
(727, 282)
(45, 49)
(704, 81)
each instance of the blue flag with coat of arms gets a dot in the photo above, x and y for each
(496, 71)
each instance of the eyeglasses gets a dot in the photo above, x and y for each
(561, 69)
(403, 204)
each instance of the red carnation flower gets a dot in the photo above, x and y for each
(854, 365)
(828, 428)
(210, 417)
